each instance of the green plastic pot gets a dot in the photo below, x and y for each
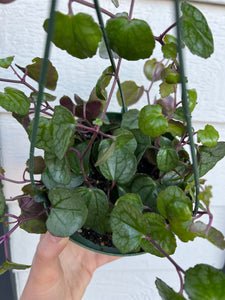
(85, 243)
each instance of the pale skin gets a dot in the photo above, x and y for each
(61, 270)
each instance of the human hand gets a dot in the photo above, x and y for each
(61, 270)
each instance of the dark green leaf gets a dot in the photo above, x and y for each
(8, 266)
(210, 157)
(6, 62)
(74, 160)
(130, 119)
(68, 212)
(143, 142)
(15, 101)
(169, 50)
(63, 125)
(76, 180)
(44, 138)
(132, 199)
(2, 203)
(58, 168)
(78, 34)
(167, 159)
(159, 232)
(204, 282)
(146, 188)
(120, 166)
(151, 120)
(153, 69)
(130, 39)
(209, 136)
(128, 226)
(195, 31)
(213, 235)
(131, 92)
(33, 71)
(168, 203)
(125, 139)
(166, 292)
(97, 204)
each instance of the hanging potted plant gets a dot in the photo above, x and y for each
(118, 183)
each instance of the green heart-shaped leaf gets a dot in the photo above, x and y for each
(128, 226)
(204, 282)
(160, 234)
(167, 159)
(58, 168)
(68, 212)
(97, 204)
(44, 138)
(78, 34)
(15, 101)
(63, 125)
(120, 166)
(131, 92)
(151, 120)
(130, 39)
(209, 136)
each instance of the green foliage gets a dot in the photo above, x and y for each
(8, 266)
(63, 125)
(204, 282)
(130, 39)
(33, 71)
(151, 121)
(80, 35)
(166, 292)
(6, 62)
(15, 101)
(209, 136)
(195, 31)
(131, 92)
(68, 212)
(128, 174)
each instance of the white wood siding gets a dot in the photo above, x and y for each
(21, 35)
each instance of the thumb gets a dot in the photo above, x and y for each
(46, 259)
(50, 247)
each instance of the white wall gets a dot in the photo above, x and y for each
(21, 35)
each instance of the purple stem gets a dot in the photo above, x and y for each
(94, 130)
(164, 253)
(131, 9)
(160, 38)
(89, 5)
